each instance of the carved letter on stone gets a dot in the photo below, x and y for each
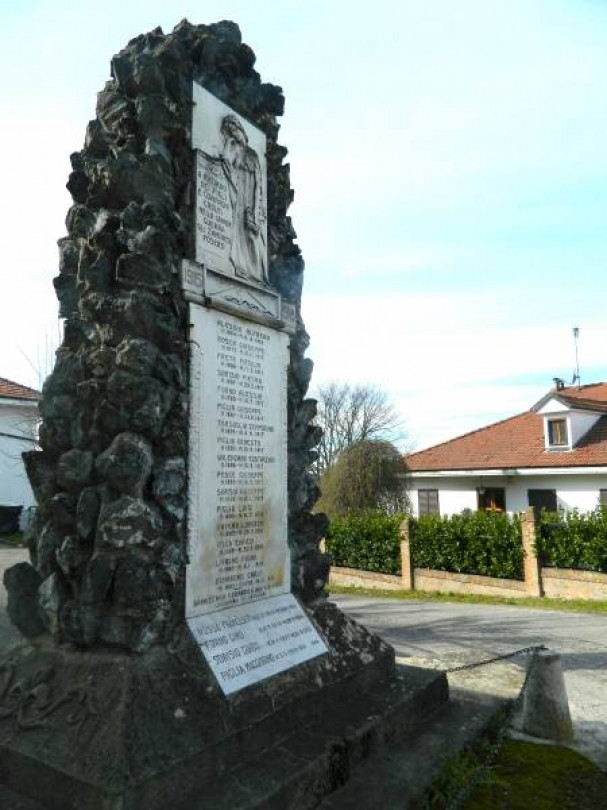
(32, 699)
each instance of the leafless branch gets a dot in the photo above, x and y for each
(351, 413)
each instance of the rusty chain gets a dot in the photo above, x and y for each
(534, 648)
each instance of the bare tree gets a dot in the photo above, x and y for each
(46, 351)
(352, 413)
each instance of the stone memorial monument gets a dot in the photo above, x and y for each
(179, 649)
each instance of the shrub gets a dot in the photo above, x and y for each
(486, 543)
(573, 539)
(369, 541)
(367, 476)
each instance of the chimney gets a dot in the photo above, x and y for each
(559, 384)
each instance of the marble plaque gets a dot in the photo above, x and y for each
(231, 196)
(239, 604)
(237, 525)
(246, 644)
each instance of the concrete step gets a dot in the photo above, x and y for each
(401, 772)
(392, 778)
(314, 760)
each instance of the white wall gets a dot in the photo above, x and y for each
(17, 434)
(553, 407)
(458, 493)
(454, 494)
(580, 423)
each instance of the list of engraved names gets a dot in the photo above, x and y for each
(241, 553)
(248, 643)
(213, 210)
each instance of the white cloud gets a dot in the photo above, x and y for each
(438, 413)
(451, 363)
(32, 211)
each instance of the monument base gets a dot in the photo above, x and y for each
(111, 731)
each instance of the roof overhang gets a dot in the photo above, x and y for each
(21, 403)
(555, 403)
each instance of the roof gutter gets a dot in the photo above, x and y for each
(17, 401)
(523, 471)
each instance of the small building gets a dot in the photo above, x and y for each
(552, 456)
(18, 432)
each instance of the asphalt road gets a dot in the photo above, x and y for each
(440, 629)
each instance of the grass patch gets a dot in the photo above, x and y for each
(460, 769)
(523, 776)
(14, 539)
(544, 777)
(573, 605)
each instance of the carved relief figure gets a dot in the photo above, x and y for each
(248, 252)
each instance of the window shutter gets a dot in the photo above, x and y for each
(427, 501)
(433, 502)
(422, 501)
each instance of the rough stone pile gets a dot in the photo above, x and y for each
(108, 550)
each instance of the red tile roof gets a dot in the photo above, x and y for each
(594, 392)
(12, 390)
(519, 442)
(588, 397)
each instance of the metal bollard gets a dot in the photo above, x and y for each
(545, 705)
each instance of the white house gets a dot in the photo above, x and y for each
(18, 430)
(552, 456)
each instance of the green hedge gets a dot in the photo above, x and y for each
(369, 541)
(486, 543)
(573, 539)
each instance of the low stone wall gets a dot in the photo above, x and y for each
(557, 583)
(428, 580)
(565, 583)
(364, 579)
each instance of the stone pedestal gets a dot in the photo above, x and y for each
(104, 730)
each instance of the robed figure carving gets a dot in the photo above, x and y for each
(248, 251)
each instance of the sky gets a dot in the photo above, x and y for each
(449, 161)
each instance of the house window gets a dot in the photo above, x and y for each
(557, 433)
(492, 499)
(603, 497)
(427, 502)
(542, 499)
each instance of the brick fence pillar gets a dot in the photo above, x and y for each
(531, 564)
(406, 563)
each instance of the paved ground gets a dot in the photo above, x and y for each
(431, 630)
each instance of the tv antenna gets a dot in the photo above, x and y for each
(576, 371)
